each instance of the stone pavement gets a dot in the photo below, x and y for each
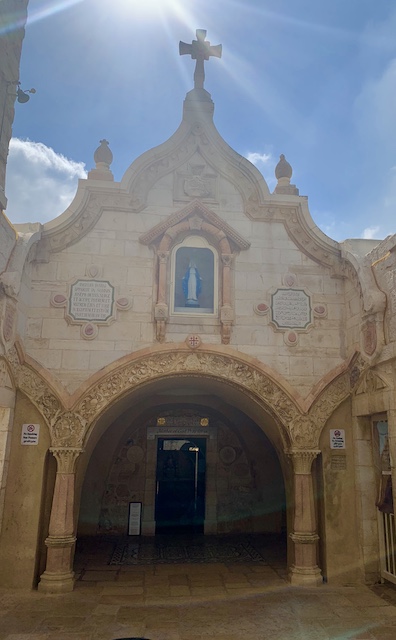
(194, 602)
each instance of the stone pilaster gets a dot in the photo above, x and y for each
(305, 570)
(58, 576)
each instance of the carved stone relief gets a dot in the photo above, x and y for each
(198, 181)
(5, 379)
(369, 334)
(8, 315)
(298, 430)
(371, 383)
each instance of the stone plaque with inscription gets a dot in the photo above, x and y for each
(291, 309)
(91, 301)
(338, 462)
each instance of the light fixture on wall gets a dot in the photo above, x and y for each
(22, 96)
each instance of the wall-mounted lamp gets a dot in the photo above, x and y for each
(22, 96)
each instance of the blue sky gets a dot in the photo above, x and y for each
(313, 80)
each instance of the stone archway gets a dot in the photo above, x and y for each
(73, 423)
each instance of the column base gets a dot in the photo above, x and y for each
(56, 582)
(305, 576)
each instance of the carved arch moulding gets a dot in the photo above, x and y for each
(194, 219)
(70, 425)
(299, 429)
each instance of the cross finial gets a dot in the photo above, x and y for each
(200, 50)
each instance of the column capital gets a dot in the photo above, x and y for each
(303, 459)
(66, 458)
(163, 256)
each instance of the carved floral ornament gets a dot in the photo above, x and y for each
(69, 428)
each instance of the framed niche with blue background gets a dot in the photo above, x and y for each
(194, 278)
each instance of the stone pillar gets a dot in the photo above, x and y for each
(162, 267)
(304, 571)
(58, 576)
(161, 308)
(227, 262)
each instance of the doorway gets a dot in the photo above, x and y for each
(180, 485)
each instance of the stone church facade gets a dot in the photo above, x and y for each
(187, 318)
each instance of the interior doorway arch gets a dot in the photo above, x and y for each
(244, 477)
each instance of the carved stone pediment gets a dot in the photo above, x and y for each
(195, 215)
(371, 383)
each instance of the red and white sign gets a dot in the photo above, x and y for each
(30, 434)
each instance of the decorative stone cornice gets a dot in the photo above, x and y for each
(303, 459)
(78, 223)
(66, 458)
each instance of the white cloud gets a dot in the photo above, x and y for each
(370, 233)
(40, 182)
(265, 162)
(258, 158)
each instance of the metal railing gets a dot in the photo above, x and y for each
(388, 557)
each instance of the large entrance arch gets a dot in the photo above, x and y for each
(189, 452)
(76, 424)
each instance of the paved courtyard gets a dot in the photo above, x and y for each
(196, 601)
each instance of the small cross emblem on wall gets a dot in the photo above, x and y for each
(193, 341)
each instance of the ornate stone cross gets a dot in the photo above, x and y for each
(200, 50)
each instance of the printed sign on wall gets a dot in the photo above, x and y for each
(337, 438)
(30, 433)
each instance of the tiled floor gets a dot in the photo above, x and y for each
(197, 601)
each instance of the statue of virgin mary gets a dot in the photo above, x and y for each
(192, 285)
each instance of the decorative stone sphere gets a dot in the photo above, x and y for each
(283, 169)
(103, 153)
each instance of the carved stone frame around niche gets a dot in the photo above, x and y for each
(195, 219)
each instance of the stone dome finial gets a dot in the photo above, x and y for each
(103, 158)
(283, 169)
(103, 153)
(283, 173)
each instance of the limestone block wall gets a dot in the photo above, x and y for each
(342, 562)
(28, 498)
(7, 240)
(113, 252)
(10, 53)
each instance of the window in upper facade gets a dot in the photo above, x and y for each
(194, 278)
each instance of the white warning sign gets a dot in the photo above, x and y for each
(337, 438)
(30, 433)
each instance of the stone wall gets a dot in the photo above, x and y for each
(12, 20)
